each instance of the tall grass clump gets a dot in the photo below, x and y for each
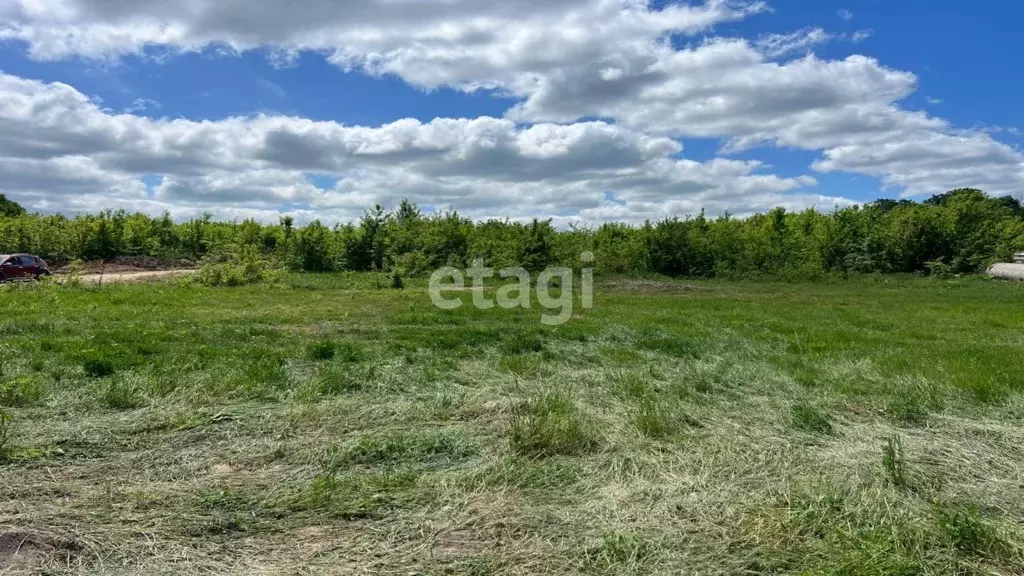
(810, 418)
(551, 424)
(894, 462)
(98, 366)
(404, 448)
(122, 393)
(659, 418)
(21, 391)
(321, 350)
(969, 533)
(912, 404)
(6, 435)
(349, 352)
(522, 343)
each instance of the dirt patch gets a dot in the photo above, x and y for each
(120, 277)
(642, 286)
(25, 553)
(130, 264)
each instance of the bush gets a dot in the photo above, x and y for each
(958, 232)
(939, 269)
(244, 267)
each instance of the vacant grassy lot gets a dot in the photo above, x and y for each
(322, 426)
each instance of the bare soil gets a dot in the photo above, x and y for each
(130, 264)
(26, 553)
(134, 276)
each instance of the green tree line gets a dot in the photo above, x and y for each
(960, 231)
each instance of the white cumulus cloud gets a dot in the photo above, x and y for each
(61, 151)
(776, 45)
(563, 62)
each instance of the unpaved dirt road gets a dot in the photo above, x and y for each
(118, 277)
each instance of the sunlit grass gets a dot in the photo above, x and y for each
(334, 424)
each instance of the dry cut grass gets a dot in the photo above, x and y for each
(324, 426)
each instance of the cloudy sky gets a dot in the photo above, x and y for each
(578, 110)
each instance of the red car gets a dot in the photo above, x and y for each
(22, 267)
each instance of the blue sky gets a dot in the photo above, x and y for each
(935, 90)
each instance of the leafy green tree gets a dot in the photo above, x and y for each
(537, 249)
(963, 229)
(314, 248)
(10, 207)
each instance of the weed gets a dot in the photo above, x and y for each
(894, 462)
(988, 390)
(968, 532)
(662, 418)
(389, 450)
(912, 404)
(6, 435)
(333, 380)
(810, 418)
(122, 393)
(521, 365)
(321, 350)
(350, 352)
(631, 385)
(551, 424)
(671, 346)
(522, 343)
(21, 391)
(354, 496)
(263, 372)
(98, 367)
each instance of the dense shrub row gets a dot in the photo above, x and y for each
(960, 231)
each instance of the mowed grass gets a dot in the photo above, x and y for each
(327, 426)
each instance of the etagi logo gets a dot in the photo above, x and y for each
(518, 294)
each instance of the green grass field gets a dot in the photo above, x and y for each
(323, 426)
